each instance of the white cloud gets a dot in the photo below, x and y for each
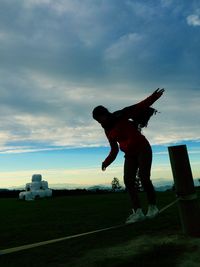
(123, 45)
(142, 9)
(166, 3)
(61, 58)
(82, 20)
(193, 20)
(64, 117)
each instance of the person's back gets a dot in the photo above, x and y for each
(126, 133)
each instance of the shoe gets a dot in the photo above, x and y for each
(152, 211)
(137, 216)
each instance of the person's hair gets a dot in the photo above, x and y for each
(99, 111)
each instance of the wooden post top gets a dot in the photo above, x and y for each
(181, 169)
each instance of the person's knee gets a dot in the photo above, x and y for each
(146, 184)
(129, 183)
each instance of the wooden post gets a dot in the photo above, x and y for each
(189, 206)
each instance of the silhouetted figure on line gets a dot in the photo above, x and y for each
(123, 130)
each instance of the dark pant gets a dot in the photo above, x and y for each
(139, 164)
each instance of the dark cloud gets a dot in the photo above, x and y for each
(61, 58)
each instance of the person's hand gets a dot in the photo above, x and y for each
(103, 166)
(158, 92)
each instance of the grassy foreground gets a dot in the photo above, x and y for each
(157, 242)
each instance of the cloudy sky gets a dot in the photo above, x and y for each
(59, 59)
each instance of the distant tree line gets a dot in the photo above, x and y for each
(5, 193)
(116, 187)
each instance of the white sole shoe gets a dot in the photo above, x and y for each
(152, 212)
(135, 217)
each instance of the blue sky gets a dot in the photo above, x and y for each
(61, 58)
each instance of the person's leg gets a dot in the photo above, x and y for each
(130, 170)
(145, 161)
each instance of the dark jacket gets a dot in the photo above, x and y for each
(122, 130)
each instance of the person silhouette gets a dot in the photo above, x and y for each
(123, 131)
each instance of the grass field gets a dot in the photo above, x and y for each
(157, 242)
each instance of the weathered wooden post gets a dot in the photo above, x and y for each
(189, 206)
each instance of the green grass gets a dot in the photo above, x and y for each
(157, 242)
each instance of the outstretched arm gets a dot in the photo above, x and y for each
(152, 98)
(132, 110)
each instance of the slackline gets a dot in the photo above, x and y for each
(43, 243)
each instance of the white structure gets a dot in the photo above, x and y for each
(36, 189)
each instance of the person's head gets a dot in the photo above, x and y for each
(101, 114)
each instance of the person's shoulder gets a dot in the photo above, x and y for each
(117, 114)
